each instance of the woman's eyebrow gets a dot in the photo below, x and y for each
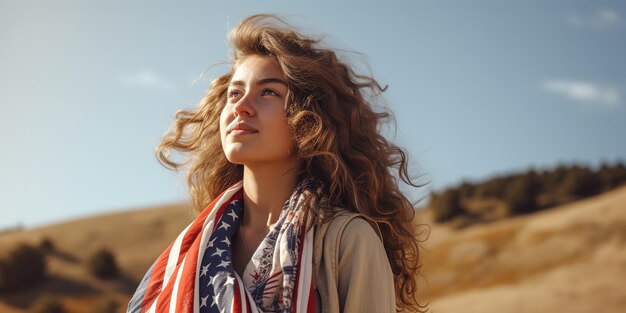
(260, 82)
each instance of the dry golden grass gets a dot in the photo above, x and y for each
(136, 238)
(571, 258)
(534, 258)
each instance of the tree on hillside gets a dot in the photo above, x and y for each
(102, 264)
(552, 179)
(620, 173)
(466, 190)
(494, 187)
(580, 182)
(22, 267)
(612, 176)
(46, 245)
(447, 205)
(487, 189)
(521, 194)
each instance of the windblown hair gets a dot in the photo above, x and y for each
(336, 131)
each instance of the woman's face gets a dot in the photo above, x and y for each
(253, 127)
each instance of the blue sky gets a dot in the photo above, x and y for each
(478, 88)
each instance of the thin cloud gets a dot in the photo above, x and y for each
(146, 79)
(601, 19)
(584, 91)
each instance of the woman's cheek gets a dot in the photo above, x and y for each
(224, 122)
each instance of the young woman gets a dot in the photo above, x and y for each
(298, 207)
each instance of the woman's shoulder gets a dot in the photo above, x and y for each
(345, 230)
(347, 225)
(355, 273)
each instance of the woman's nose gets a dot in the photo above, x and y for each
(244, 106)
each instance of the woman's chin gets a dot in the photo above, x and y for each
(236, 160)
(239, 157)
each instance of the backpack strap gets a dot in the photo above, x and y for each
(335, 231)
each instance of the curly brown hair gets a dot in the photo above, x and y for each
(336, 131)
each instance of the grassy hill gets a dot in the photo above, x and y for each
(571, 258)
(136, 238)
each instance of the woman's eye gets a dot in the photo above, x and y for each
(269, 92)
(233, 93)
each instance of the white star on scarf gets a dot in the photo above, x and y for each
(230, 280)
(224, 264)
(204, 301)
(218, 252)
(233, 215)
(226, 241)
(205, 269)
(224, 225)
(210, 243)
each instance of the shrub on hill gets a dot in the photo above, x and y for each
(493, 188)
(102, 264)
(551, 179)
(526, 192)
(467, 190)
(612, 176)
(620, 171)
(521, 194)
(46, 245)
(47, 304)
(446, 205)
(579, 182)
(22, 267)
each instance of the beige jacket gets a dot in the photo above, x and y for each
(352, 272)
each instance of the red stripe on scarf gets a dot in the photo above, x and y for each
(187, 281)
(186, 286)
(236, 299)
(156, 278)
(189, 240)
(163, 303)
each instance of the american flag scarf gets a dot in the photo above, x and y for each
(277, 279)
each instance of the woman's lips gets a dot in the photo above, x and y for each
(240, 132)
(241, 128)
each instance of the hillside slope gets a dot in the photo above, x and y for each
(570, 258)
(136, 238)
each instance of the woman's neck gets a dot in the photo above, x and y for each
(265, 189)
